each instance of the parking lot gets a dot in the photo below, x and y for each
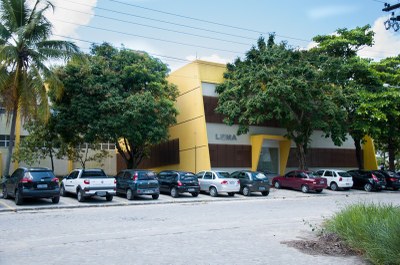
(71, 201)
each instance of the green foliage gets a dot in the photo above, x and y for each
(24, 49)
(276, 82)
(353, 76)
(372, 229)
(120, 96)
(40, 143)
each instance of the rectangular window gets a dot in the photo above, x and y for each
(4, 140)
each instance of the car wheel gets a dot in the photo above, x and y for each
(55, 199)
(277, 185)
(334, 186)
(318, 191)
(231, 194)
(80, 195)
(174, 193)
(195, 194)
(155, 196)
(109, 197)
(246, 191)
(368, 187)
(5, 192)
(62, 191)
(265, 193)
(18, 198)
(129, 194)
(213, 192)
(304, 188)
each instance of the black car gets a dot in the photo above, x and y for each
(251, 181)
(367, 180)
(392, 179)
(132, 182)
(31, 183)
(176, 182)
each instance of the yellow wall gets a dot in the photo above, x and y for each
(370, 162)
(191, 124)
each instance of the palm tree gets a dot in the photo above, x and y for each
(25, 47)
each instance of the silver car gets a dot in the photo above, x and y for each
(216, 182)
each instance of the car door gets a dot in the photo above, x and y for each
(330, 176)
(13, 181)
(207, 180)
(119, 179)
(162, 181)
(69, 182)
(298, 180)
(244, 179)
(287, 180)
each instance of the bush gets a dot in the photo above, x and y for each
(372, 229)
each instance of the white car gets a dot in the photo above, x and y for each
(216, 182)
(337, 179)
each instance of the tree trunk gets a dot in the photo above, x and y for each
(51, 159)
(357, 144)
(301, 156)
(12, 141)
(391, 151)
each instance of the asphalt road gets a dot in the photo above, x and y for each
(203, 230)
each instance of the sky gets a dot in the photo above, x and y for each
(180, 31)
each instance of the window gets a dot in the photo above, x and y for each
(200, 174)
(120, 174)
(290, 175)
(328, 174)
(127, 175)
(208, 175)
(4, 140)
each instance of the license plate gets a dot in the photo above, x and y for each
(383, 187)
(232, 182)
(41, 186)
(321, 182)
(101, 193)
(190, 189)
(261, 188)
(148, 191)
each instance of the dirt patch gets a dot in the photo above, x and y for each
(326, 244)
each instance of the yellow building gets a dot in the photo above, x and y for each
(201, 141)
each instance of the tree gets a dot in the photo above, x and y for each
(351, 75)
(24, 49)
(121, 96)
(40, 143)
(388, 103)
(281, 83)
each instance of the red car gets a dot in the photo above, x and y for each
(301, 180)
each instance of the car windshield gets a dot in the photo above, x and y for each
(222, 174)
(38, 175)
(311, 175)
(258, 175)
(344, 174)
(188, 176)
(147, 175)
(93, 174)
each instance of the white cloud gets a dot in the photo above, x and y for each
(61, 13)
(330, 11)
(215, 58)
(387, 42)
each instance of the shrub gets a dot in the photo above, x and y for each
(372, 229)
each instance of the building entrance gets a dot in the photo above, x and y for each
(269, 157)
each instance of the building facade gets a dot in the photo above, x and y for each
(201, 141)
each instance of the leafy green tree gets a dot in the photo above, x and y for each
(40, 143)
(120, 96)
(388, 103)
(351, 75)
(24, 49)
(276, 82)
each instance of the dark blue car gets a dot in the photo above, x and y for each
(134, 182)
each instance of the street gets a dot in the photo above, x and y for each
(203, 230)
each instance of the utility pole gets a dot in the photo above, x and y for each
(392, 22)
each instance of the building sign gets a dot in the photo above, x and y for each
(225, 137)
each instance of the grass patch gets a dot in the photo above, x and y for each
(371, 229)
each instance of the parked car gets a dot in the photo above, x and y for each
(367, 180)
(86, 183)
(216, 182)
(251, 181)
(337, 179)
(31, 183)
(134, 182)
(392, 179)
(176, 182)
(301, 180)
